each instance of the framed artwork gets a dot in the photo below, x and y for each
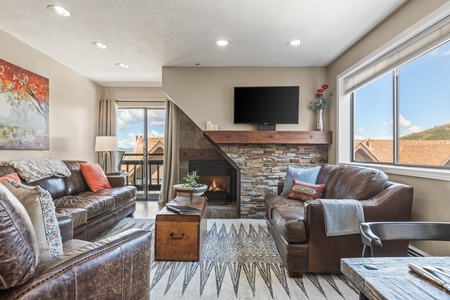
(24, 105)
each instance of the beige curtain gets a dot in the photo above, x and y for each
(171, 157)
(108, 127)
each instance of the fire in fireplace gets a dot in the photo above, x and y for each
(213, 187)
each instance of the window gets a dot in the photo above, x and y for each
(140, 133)
(403, 117)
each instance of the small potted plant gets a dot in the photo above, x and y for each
(190, 186)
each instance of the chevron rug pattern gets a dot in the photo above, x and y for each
(239, 261)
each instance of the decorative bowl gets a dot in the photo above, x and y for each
(185, 191)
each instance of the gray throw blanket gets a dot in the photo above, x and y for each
(38, 168)
(342, 216)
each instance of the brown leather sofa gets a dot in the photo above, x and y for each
(91, 213)
(298, 227)
(117, 267)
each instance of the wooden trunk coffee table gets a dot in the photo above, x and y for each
(180, 237)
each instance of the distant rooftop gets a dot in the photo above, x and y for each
(414, 152)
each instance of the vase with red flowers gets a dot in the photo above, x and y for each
(319, 105)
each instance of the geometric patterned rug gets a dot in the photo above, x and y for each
(239, 261)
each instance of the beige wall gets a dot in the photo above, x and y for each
(206, 94)
(431, 197)
(73, 119)
(138, 93)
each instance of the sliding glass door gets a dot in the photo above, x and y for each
(140, 136)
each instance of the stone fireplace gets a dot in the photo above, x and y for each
(263, 166)
(262, 161)
(259, 160)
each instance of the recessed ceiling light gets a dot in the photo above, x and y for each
(295, 43)
(122, 65)
(59, 10)
(100, 45)
(221, 43)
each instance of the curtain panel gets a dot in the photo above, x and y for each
(171, 153)
(108, 127)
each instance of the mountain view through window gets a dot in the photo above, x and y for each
(403, 117)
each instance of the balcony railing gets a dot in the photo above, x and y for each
(133, 163)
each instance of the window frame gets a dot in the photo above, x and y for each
(344, 111)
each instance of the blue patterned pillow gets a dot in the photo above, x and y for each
(41, 210)
(308, 175)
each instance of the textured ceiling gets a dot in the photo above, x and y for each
(150, 34)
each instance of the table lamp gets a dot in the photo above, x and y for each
(105, 144)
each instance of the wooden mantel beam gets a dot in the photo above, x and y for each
(269, 137)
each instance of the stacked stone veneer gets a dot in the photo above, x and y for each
(262, 166)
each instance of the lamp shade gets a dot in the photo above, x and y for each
(106, 143)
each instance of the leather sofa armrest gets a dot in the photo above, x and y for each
(119, 265)
(117, 180)
(65, 227)
(315, 220)
(325, 251)
(394, 203)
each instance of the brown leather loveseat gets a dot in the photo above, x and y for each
(117, 267)
(299, 228)
(82, 213)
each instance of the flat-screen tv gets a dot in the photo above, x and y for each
(266, 105)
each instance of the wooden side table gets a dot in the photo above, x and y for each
(180, 237)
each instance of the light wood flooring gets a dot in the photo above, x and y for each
(149, 209)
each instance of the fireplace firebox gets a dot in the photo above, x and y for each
(220, 177)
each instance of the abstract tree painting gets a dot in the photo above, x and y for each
(24, 105)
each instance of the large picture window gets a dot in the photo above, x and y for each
(402, 117)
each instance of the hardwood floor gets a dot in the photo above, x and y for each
(149, 209)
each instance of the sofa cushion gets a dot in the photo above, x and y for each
(75, 183)
(19, 255)
(308, 175)
(120, 194)
(95, 177)
(357, 183)
(56, 186)
(39, 206)
(329, 175)
(289, 222)
(78, 215)
(12, 176)
(272, 201)
(305, 191)
(95, 204)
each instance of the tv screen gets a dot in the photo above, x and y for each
(266, 105)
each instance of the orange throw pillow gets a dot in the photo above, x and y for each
(12, 176)
(95, 177)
